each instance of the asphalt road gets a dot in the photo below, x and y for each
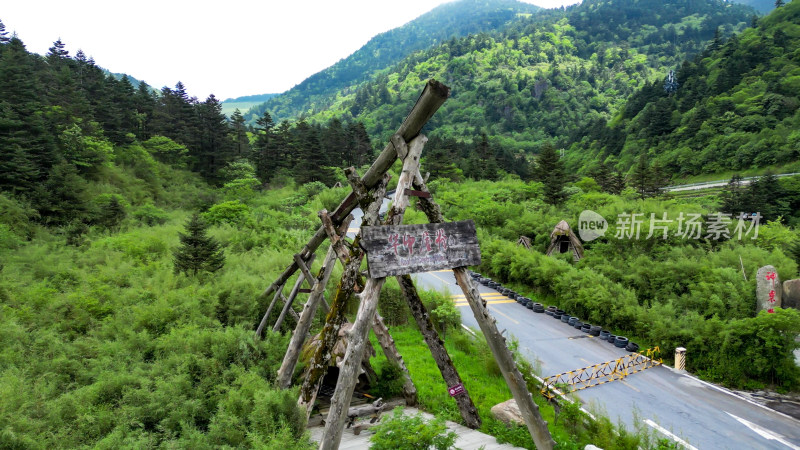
(676, 405)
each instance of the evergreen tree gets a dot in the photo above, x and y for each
(550, 172)
(779, 3)
(4, 39)
(265, 158)
(241, 142)
(640, 178)
(359, 147)
(733, 197)
(198, 252)
(215, 149)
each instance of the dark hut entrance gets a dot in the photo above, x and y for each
(563, 240)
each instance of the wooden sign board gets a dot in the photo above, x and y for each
(404, 249)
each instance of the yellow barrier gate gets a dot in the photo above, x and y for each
(598, 374)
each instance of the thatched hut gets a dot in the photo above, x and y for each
(563, 240)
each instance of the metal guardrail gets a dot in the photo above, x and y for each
(586, 377)
(704, 183)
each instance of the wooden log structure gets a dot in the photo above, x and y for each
(348, 372)
(497, 343)
(465, 406)
(318, 365)
(433, 96)
(289, 363)
(295, 290)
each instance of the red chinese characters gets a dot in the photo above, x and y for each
(770, 276)
(441, 239)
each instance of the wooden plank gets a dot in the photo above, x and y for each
(413, 193)
(404, 249)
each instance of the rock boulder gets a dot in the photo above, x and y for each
(768, 289)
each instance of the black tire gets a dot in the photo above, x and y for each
(632, 347)
(611, 338)
(549, 312)
(572, 321)
(529, 305)
(578, 324)
(595, 330)
(586, 327)
(565, 318)
(604, 335)
(537, 309)
(621, 342)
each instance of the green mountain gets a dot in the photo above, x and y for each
(545, 77)
(736, 107)
(762, 6)
(244, 103)
(458, 18)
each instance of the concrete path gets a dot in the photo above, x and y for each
(468, 439)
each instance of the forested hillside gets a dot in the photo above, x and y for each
(113, 336)
(546, 77)
(735, 107)
(455, 19)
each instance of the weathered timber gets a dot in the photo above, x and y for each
(318, 365)
(348, 371)
(336, 242)
(433, 96)
(449, 373)
(278, 293)
(289, 363)
(505, 360)
(393, 356)
(404, 249)
(287, 307)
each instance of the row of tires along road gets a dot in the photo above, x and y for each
(558, 314)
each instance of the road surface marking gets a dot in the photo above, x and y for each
(433, 274)
(443, 270)
(587, 362)
(507, 317)
(626, 384)
(491, 302)
(489, 294)
(763, 432)
(666, 432)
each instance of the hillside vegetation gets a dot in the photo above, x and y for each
(541, 78)
(455, 19)
(736, 107)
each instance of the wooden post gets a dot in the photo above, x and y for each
(394, 357)
(497, 343)
(288, 305)
(278, 293)
(433, 96)
(319, 362)
(348, 371)
(465, 406)
(289, 363)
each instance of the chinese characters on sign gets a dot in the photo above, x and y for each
(770, 276)
(404, 249)
(689, 226)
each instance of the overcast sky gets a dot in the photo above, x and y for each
(229, 48)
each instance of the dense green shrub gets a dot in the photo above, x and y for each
(403, 432)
